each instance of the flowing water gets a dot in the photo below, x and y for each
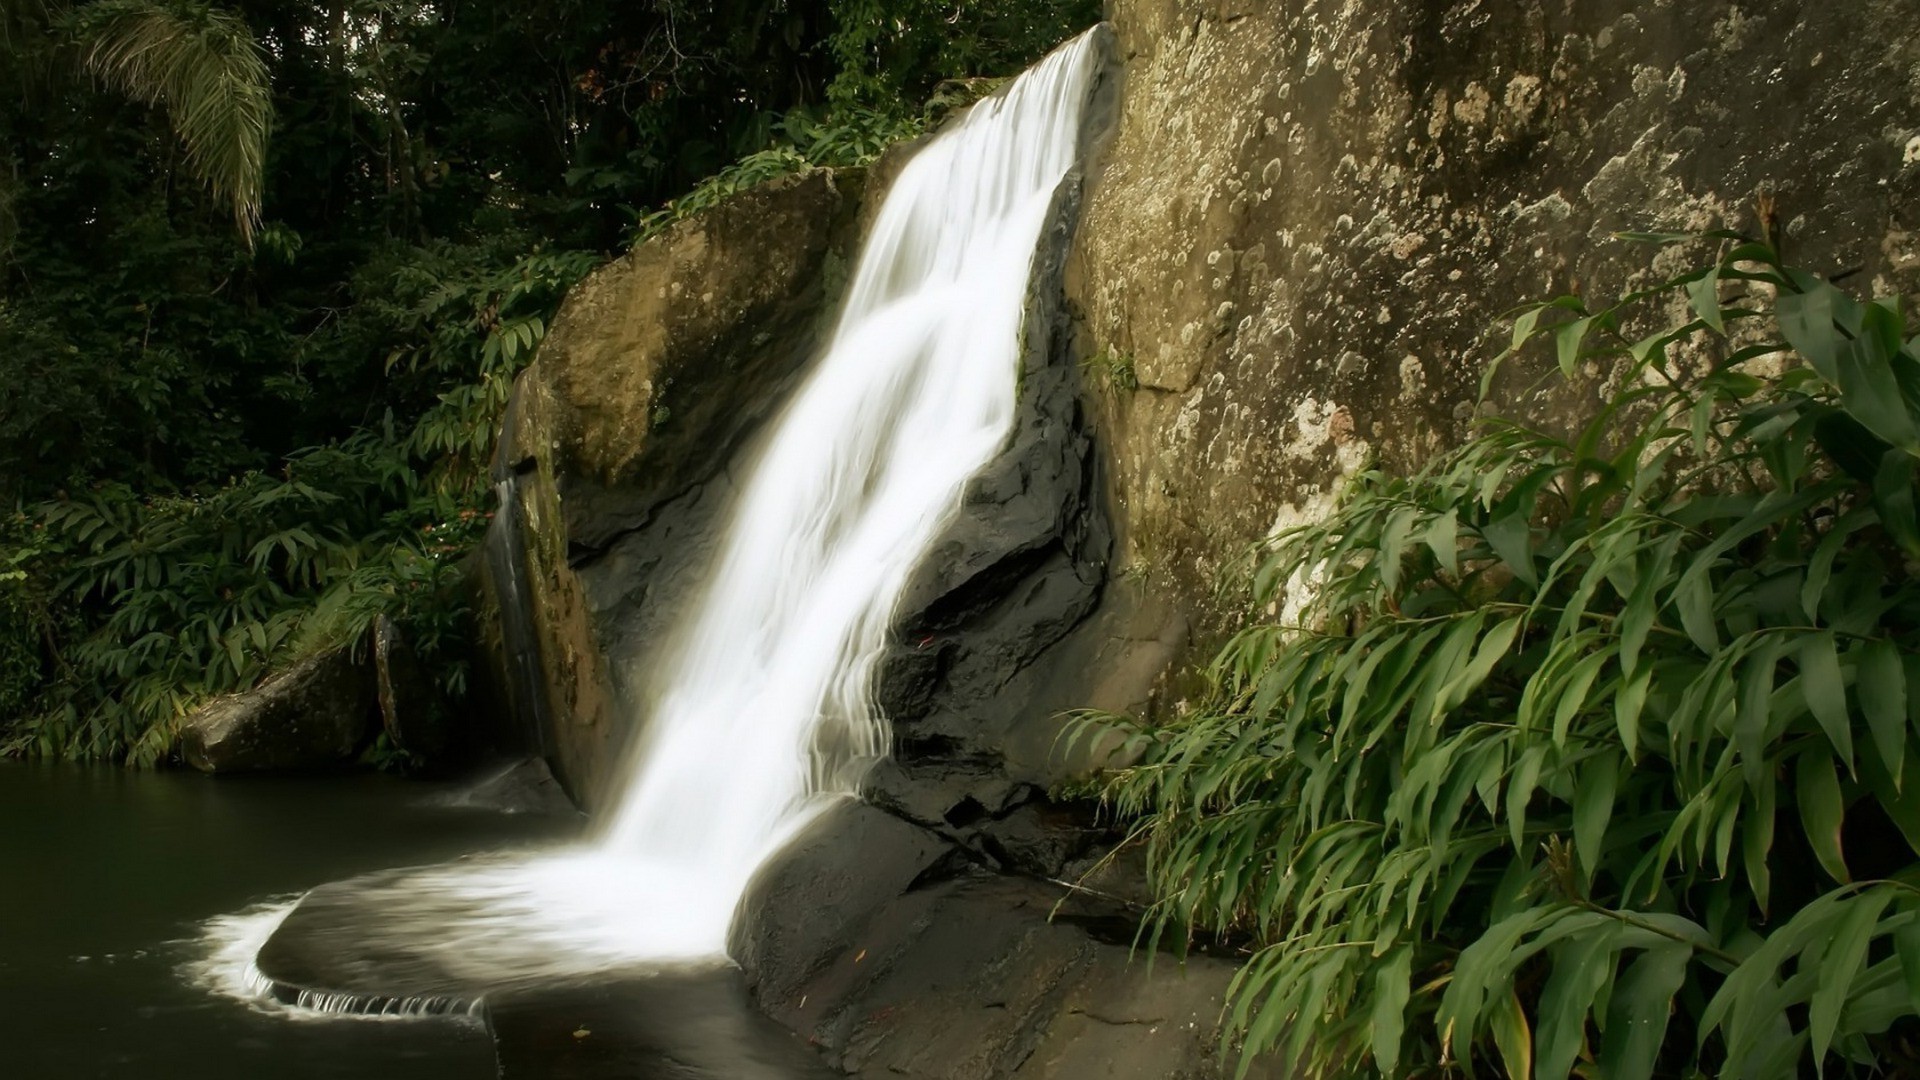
(111, 874)
(767, 711)
(761, 714)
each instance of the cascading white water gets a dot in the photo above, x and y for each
(766, 706)
(762, 715)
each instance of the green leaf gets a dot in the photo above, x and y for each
(1869, 392)
(1511, 538)
(1442, 538)
(1881, 686)
(1694, 598)
(1393, 546)
(1392, 986)
(1641, 1007)
(1821, 810)
(1567, 338)
(1906, 945)
(1581, 967)
(1627, 706)
(1592, 809)
(1893, 498)
(1511, 1035)
(1807, 319)
(1826, 692)
(1574, 697)
(1841, 962)
(1703, 293)
(1756, 844)
(1526, 775)
(1820, 566)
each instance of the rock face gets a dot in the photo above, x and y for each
(896, 957)
(1016, 573)
(656, 372)
(411, 709)
(315, 714)
(1313, 214)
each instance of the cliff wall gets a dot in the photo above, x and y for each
(1313, 213)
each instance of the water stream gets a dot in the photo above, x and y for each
(762, 714)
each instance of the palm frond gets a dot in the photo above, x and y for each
(205, 68)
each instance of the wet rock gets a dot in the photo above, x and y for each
(973, 978)
(657, 370)
(1040, 838)
(976, 666)
(522, 787)
(412, 711)
(816, 899)
(315, 714)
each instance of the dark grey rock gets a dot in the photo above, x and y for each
(815, 900)
(412, 710)
(316, 714)
(972, 978)
(522, 787)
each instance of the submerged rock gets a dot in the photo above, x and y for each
(523, 787)
(315, 714)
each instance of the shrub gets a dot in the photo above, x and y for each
(1588, 754)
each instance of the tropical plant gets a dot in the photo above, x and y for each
(202, 66)
(1591, 754)
(198, 63)
(850, 136)
(202, 595)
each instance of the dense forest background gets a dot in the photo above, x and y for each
(268, 268)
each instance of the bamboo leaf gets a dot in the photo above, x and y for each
(1822, 811)
(1392, 985)
(1841, 962)
(1826, 692)
(1881, 685)
(1512, 1036)
(1592, 808)
(1641, 1007)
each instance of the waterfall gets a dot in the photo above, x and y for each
(761, 713)
(764, 714)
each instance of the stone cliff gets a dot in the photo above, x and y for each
(1313, 214)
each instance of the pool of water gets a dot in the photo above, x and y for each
(108, 878)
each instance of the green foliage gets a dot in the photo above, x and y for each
(1592, 754)
(893, 51)
(195, 596)
(205, 69)
(1113, 371)
(850, 136)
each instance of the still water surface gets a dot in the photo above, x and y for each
(108, 875)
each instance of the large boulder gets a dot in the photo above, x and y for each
(613, 461)
(897, 956)
(316, 714)
(1313, 214)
